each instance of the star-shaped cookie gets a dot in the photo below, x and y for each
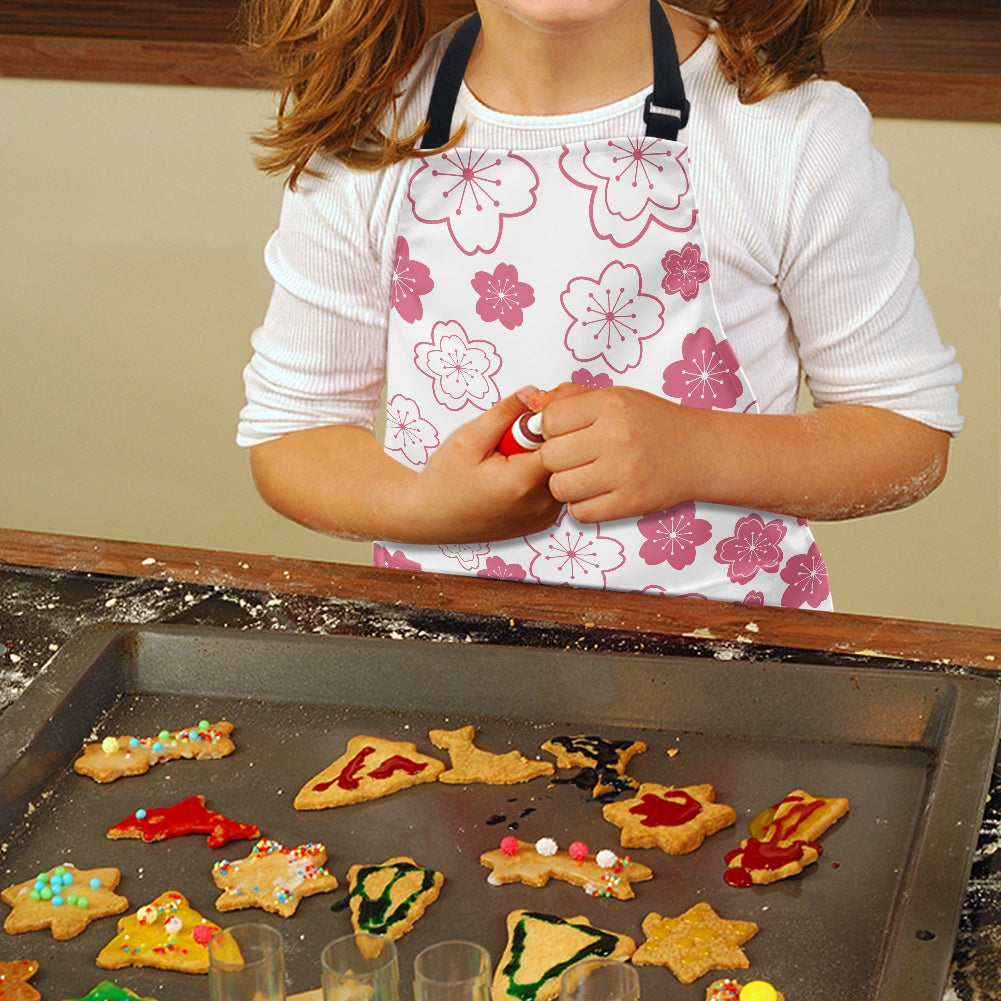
(471, 764)
(65, 899)
(189, 816)
(14, 979)
(167, 934)
(273, 877)
(107, 991)
(694, 943)
(523, 863)
(675, 820)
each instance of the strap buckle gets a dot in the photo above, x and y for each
(665, 123)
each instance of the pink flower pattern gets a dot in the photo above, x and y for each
(574, 553)
(499, 570)
(806, 576)
(685, 271)
(706, 377)
(754, 598)
(411, 280)
(673, 536)
(467, 554)
(408, 432)
(461, 370)
(754, 546)
(397, 560)
(612, 316)
(472, 192)
(591, 380)
(502, 296)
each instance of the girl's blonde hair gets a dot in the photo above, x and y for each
(338, 66)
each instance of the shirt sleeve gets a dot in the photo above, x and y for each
(849, 278)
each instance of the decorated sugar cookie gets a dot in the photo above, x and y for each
(695, 942)
(189, 816)
(388, 899)
(14, 979)
(371, 767)
(602, 762)
(273, 877)
(600, 875)
(541, 946)
(107, 991)
(471, 764)
(754, 990)
(674, 820)
(167, 934)
(64, 898)
(115, 757)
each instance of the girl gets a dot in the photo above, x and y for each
(512, 203)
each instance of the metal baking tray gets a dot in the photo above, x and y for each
(875, 918)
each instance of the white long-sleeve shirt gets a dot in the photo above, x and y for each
(812, 256)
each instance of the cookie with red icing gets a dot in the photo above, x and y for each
(370, 768)
(675, 820)
(14, 979)
(189, 816)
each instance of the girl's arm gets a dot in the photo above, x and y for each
(615, 453)
(337, 479)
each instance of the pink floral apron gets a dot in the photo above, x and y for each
(582, 263)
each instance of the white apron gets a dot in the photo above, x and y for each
(582, 263)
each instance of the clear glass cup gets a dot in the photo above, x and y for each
(600, 980)
(452, 971)
(247, 963)
(360, 967)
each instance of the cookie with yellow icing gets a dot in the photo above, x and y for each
(64, 898)
(472, 764)
(388, 899)
(675, 820)
(728, 989)
(370, 767)
(14, 977)
(167, 934)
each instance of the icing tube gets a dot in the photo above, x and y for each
(524, 435)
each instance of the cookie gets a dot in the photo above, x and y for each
(601, 875)
(189, 816)
(783, 839)
(273, 877)
(694, 942)
(541, 946)
(389, 899)
(674, 820)
(602, 762)
(107, 991)
(65, 899)
(115, 757)
(370, 768)
(470, 764)
(14, 979)
(167, 934)
(754, 990)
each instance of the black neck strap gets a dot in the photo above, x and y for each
(665, 112)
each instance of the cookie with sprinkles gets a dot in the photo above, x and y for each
(115, 757)
(64, 899)
(107, 991)
(167, 934)
(189, 816)
(14, 979)
(728, 989)
(273, 877)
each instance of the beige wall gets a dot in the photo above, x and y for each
(131, 228)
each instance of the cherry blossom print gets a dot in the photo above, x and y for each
(685, 271)
(706, 377)
(502, 296)
(612, 316)
(573, 553)
(673, 536)
(397, 560)
(411, 280)
(754, 598)
(753, 546)
(591, 380)
(806, 576)
(498, 569)
(632, 184)
(461, 370)
(468, 555)
(408, 432)
(472, 192)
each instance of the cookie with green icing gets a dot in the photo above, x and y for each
(540, 947)
(389, 899)
(107, 991)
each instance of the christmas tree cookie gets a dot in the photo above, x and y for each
(388, 899)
